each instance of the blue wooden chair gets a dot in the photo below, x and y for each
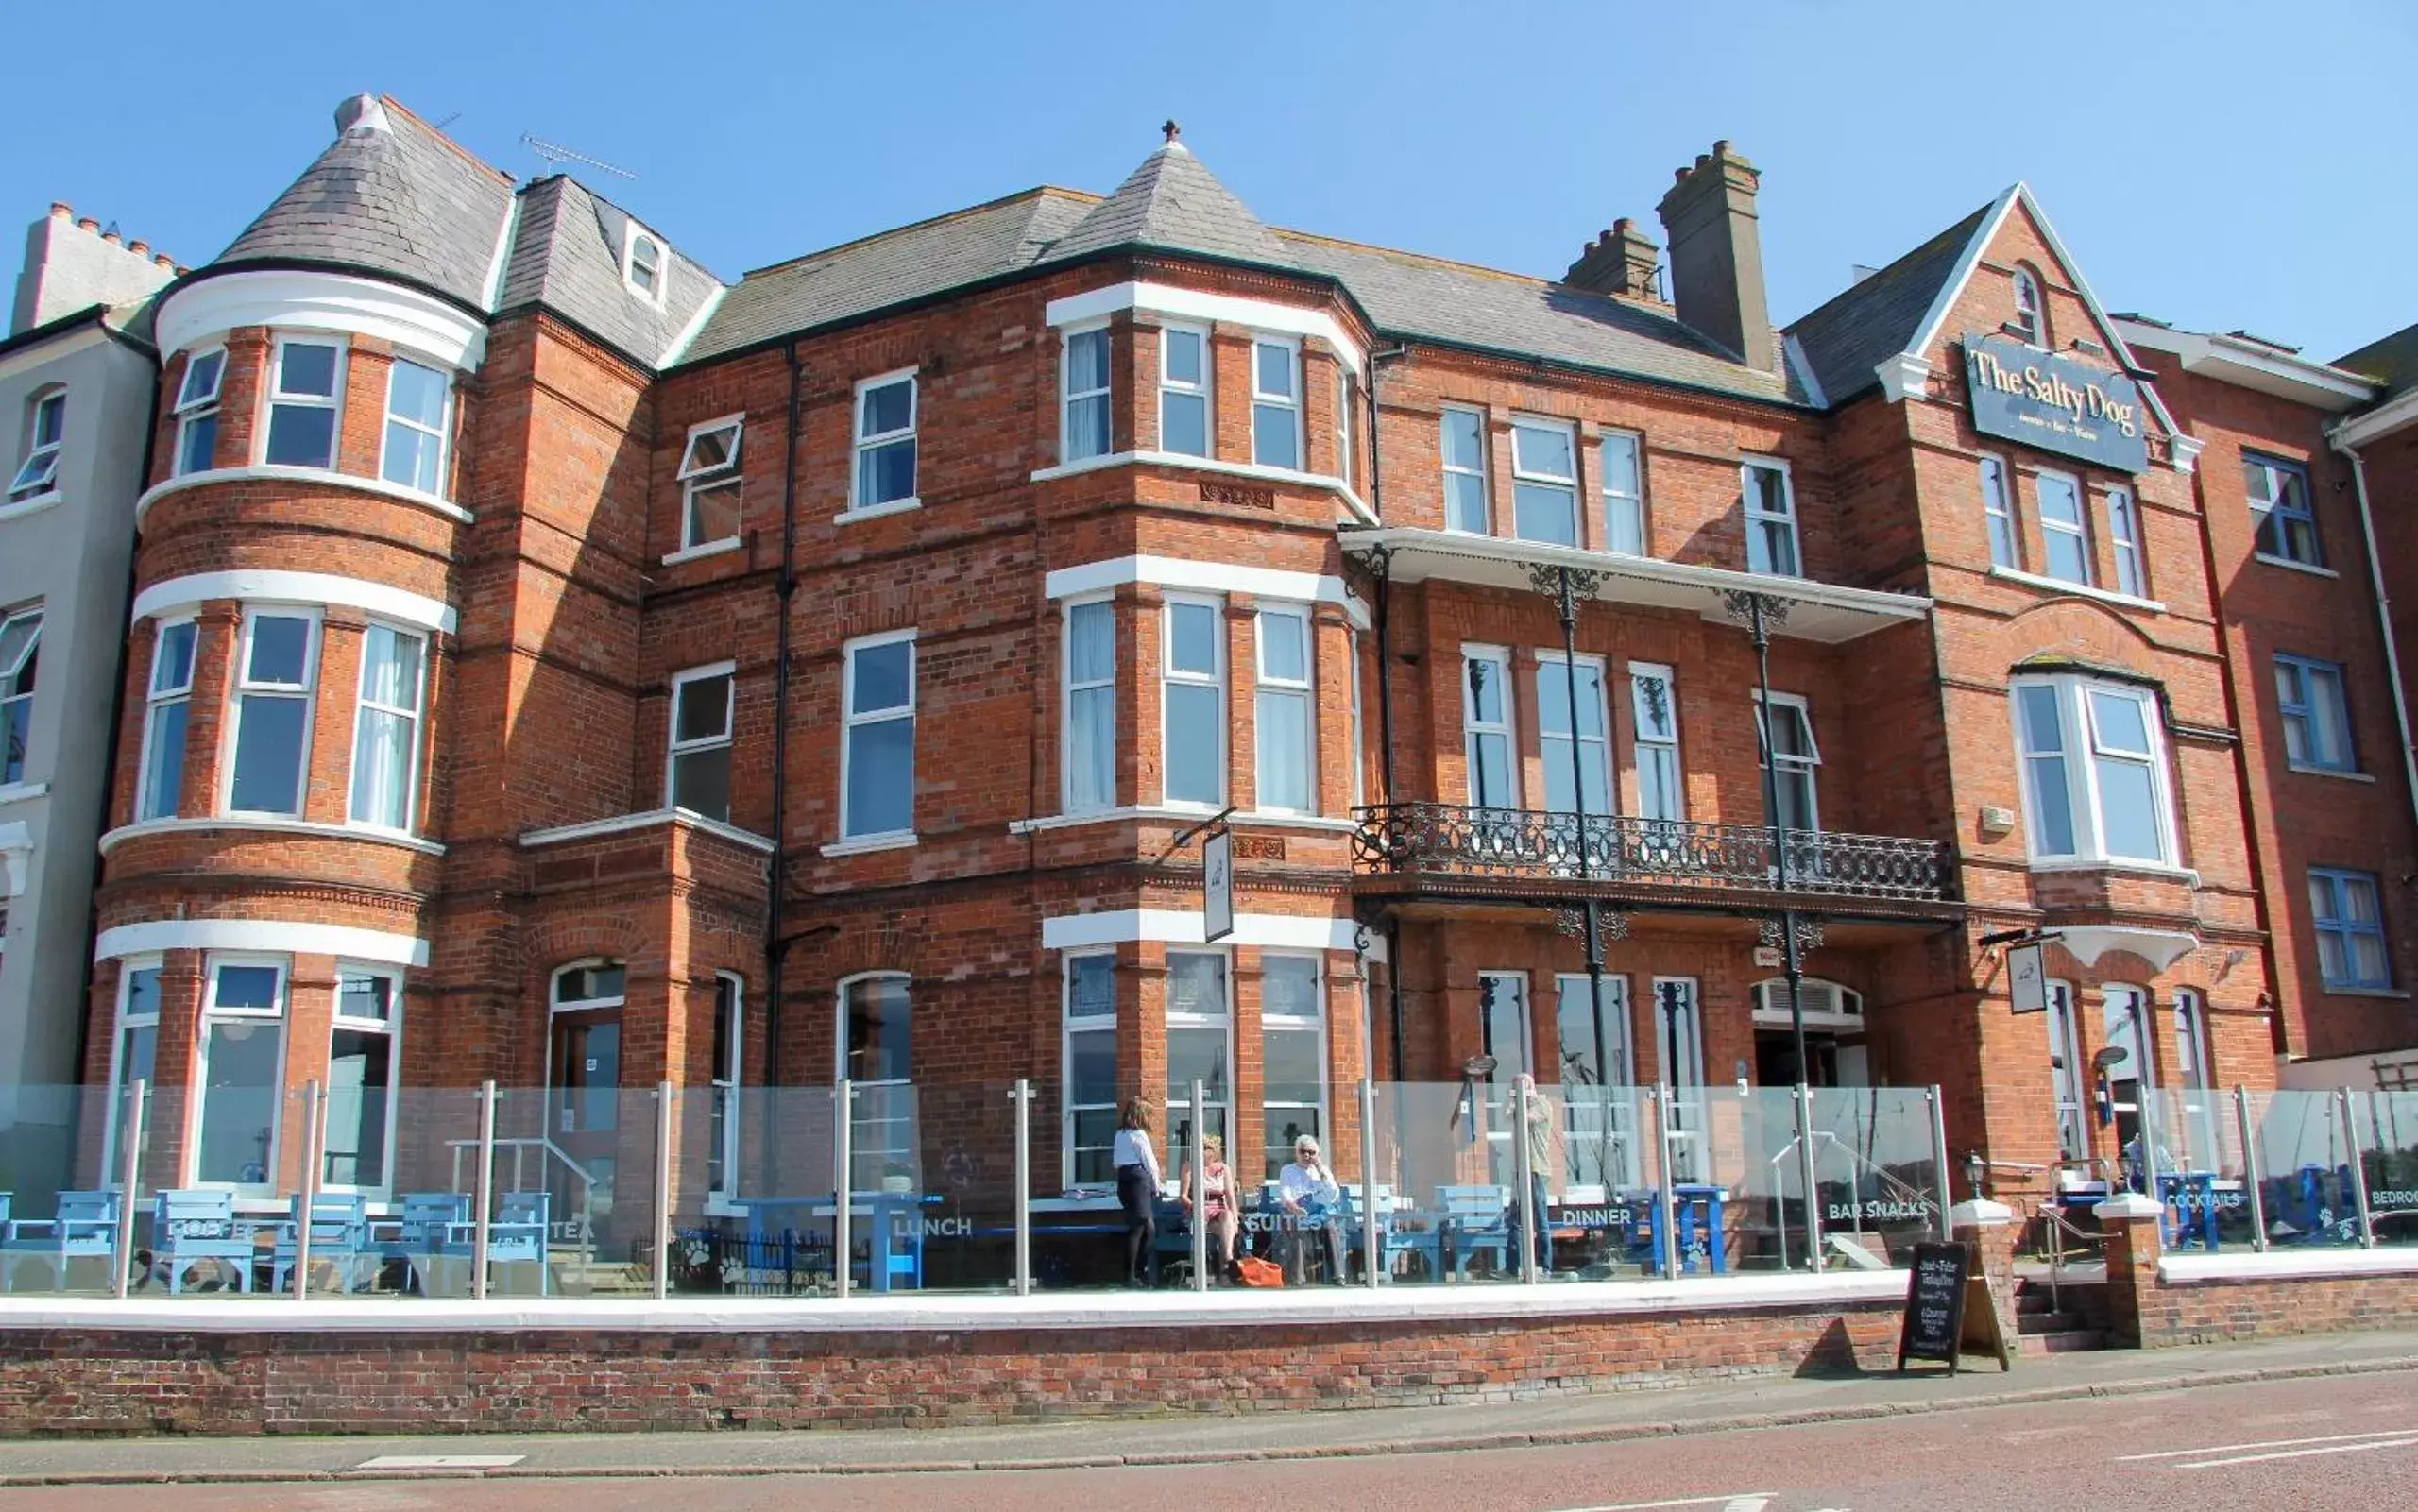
(192, 1225)
(1475, 1222)
(84, 1226)
(419, 1232)
(1356, 1228)
(517, 1236)
(339, 1238)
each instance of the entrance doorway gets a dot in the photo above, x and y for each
(1835, 1035)
(584, 1099)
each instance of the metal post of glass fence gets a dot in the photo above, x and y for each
(1023, 1095)
(1521, 1160)
(2358, 1170)
(1665, 1114)
(2250, 1177)
(130, 1177)
(1372, 1237)
(842, 1138)
(1200, 1187)
(486, 1185)
(1938, 1105)
(1806, 1173)
(313, 1142)
(662, 1189)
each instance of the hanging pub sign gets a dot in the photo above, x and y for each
(1217, 885)
(2052, 401)
(2025, 983)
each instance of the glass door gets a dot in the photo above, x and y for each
(1679, 1043)
(584, 1101)
(1598, 1078)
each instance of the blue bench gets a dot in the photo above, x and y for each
(517, 1236)
(196, 1225)
(339, 1227)
(85, 1226)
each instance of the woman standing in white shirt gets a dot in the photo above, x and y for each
(1137, 1188)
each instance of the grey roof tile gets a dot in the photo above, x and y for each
(567, 256)
(1174, 202)
(2392, 362)
(1848, 336)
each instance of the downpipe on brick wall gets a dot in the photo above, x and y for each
(2384, 623)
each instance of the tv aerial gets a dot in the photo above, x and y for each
(556, 155)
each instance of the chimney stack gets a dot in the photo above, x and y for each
(1621, 262)
(1718, 256)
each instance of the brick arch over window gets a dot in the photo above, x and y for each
(886, 947)
(547, 944)
(2076, 630)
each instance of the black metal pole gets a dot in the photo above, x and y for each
(1792, 963)
(1567, 605)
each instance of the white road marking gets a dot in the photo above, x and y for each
(1730, 1501)
(2267, 1443)
(2300, 1453)
(440, 1462)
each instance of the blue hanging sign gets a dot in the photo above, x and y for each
(2053, 401)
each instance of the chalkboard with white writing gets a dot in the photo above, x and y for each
(1935, 1324)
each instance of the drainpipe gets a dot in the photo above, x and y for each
(784, 586)
(1382, 560)
(2384, 624)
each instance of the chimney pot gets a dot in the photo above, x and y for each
(89, 223)
(1621, 262)
(163, 260)
(109, 236)
(61, 210)
(362, 112)
(139, 247)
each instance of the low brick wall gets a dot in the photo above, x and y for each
(2158, 1300)
(86, 1380)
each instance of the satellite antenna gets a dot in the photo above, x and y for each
(558, 155)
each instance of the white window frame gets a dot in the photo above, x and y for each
(632, 234)
(1291, 403)
(2196, 1141)
(1809, 765)
(157, 698)
(38, 474)
(392, 1026)
(1549, 664)
(1068, 398)
(1359, 757)
(210, 1015)
(1567, 487)
(1068, 688)
(2303, 707)
(441, 436)
(412, 716)
(1640, 673)
(1451, 470)
(273, 398)
(2125, 536)
(1623, 508)
(557, 1003)
(1302, 689)
(1681, 1069)
(2277, 470)
(2030, 315)
(675, 747)
(1759, 520)
(17, 707)
(1998, 512)
(731, 1021)
(883, 1111)
(1204, 390)
(1296, 1024)
(851, 722)
(1071, 1024)
(2050, 526)
(1618, 1105)
(698, 477)
(2069, 1077)
(911, 434)
(1473, 728)
(1347, 390)
(1169, 673)
(123, 1022)
(2078, 749)
(2339, 880)
(1223, 1117)
(307, 692)
(192, 408)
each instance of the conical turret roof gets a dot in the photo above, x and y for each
(1173, 203)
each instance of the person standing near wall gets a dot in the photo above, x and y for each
(1138, 1186)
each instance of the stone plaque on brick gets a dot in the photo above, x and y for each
(1242, 495)
(1259, 847)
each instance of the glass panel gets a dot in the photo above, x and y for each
(881, 676)
(1195, 743)
(767, 1231)
(2388, 1125)
(1275, 438)
(1875, 1173)
(1544, 513)
(242, 1092)
(1193, 628)
(2305, 1169)
(277, 650)
(1272, 370)
(881, 777)
(886, 473)
(1183, 423)
(268, 754)
(1182, 358)
(889, 407)
(306, 369)
(701, 782)
(1284, 749)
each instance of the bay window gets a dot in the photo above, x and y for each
(1199, 1021)
(1183, 391)
(1771, 517)
(385, 731)
(1464, 443)
(1284, 727)
(1193, 712)
(276, 668)
(885, 447)
(197, 409)
(1292, 1038)
(168, 707)
(1091, 707)
(241, 1074)
(1276, 403)
(1090, 1111)
(2096, 787)
(305, 384)
(878, 752)
(362, 1066)
(1085, 422)
(1544, 483)
(418, 401)
(699, 778)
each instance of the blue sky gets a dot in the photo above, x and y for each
(2219, 165)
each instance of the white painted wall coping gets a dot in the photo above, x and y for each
(2285, 1264)
(957, 1314)
(1979, 1213)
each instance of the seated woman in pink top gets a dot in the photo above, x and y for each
(1213, 1200)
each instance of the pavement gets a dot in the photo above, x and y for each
(1652, 1412)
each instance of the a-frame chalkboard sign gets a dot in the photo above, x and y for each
(1948, 1307)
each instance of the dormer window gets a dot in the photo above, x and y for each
(642, 266)
(2030, 315)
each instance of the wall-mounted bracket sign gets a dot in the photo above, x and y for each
(2053, 401)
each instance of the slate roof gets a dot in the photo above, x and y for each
(390, 195)
(1845, 338)
(567, 256)
(1173, 203)
(2392, 362)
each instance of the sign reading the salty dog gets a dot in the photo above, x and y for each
(2053, 403)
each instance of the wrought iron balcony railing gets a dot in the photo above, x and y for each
(1453, 840)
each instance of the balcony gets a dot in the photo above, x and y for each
(1422, 848)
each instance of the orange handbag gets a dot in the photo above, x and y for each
(1257, 1272)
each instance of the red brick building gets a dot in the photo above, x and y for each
(553, 665)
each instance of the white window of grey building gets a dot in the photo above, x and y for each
(1276, 403)
(305, 385)
(420, 404)
(167, 706)
(1486, 723)
(709, 483)
(1286, 728)
(20, 653)
(698, 780)
(1464, 442)
(277, 663)
(1091, 707)
(1183, 391)
(1786, 727)
(198, 409)
(1193, 712)
(1623, 494)
(385, 730)
(1086, 422)
(886, 430)
(1654, 717)
(877, 757)
(46, 432)
(1544, 481)
(1771, 517)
